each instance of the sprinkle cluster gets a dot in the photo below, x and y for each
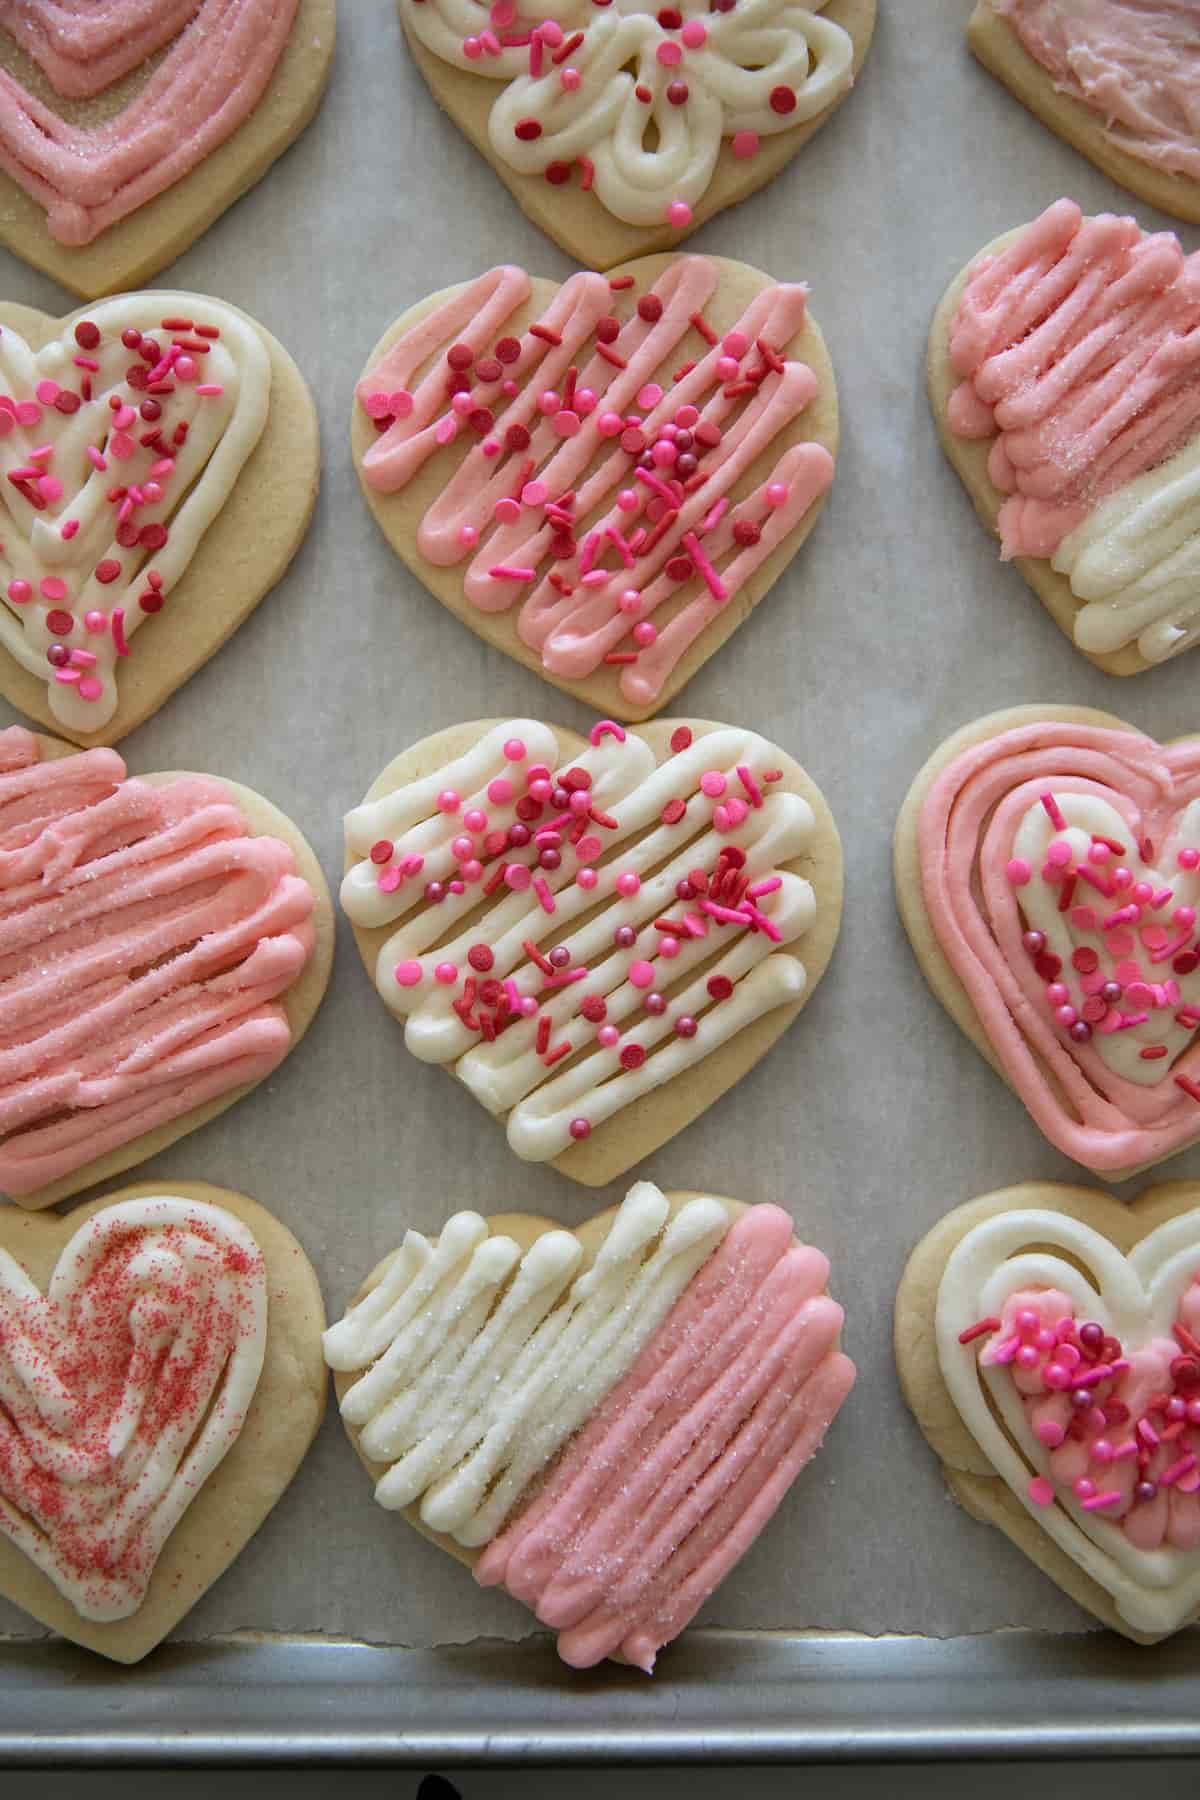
(556, 817)
(133, 438)
(1077, 1381)
(1138, 932)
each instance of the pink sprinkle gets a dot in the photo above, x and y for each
(517, 877)
(1099, 1501)
(69, 677)
(1055, 811)
(447, 430)
(1018, 872)
(641, 974)
(53, 587)
(716, 586)
(744, 144)
(1184, 1466)
(89, 688)
(765, 887)
(753, 791)
(408, 974)
(605, 728)
(94, 457)
(544, 895)
(83, 659)
(1041, 1491)
(505, 572)
(389, 881)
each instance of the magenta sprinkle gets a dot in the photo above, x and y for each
(544, 895)
(716, 586)
(1055, 811)
(1099, 1501)
(606, 728)
(504, 572)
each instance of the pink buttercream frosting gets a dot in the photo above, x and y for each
(976, 891)
(675, 1475)
(1137, 62)
(83, 46)
(207, 85)
(563, 506)
(1137, 1447)
(1079, 352)
(145, 941)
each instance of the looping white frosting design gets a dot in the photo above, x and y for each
(223, 430)
(1135, 1298)
(123, 1389)
(755, 48)
(1135, 561)
(509, 1075)
(481, 1362)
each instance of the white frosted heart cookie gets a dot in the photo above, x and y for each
(596, 938)
(1048, 875)
(165, 942)
(160, 1361)
(128, 126)
(601, 1420)
(620, 128)
(159, 459)
(1048, 1341)
(1117, 79)
(603, 478)
(1064, 375)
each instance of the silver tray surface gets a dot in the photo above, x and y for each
(720, 1697)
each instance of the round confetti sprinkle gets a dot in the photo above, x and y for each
(408, 974)
(681, 739)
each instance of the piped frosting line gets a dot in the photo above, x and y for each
(689, 1457)
(1078, 346)
(993, 901)
(146, 941)
(83, 46)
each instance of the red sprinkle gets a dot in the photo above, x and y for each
(980, 1329)
(673, 811)
(650, 308)
(681, 739)
(632, 1056)
(480, 957)
(527, 130)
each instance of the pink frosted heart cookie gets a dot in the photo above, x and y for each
(1048, 874)
(160, 1364)
(601, 1420)
(164, 943)
(1118, 79)
(160, 114)
(621, 128)
(1048, 1340)
(602, 479)
(1064, 373)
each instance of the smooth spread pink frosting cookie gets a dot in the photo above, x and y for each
(161, 952)
(1048, 873)
(603, 478)
(601, 1421)
(1118, 79)
(210, 92)
(1064, 372)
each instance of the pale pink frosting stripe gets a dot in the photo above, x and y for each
(1079, 348)
(83, 46)
(207, 85)
(683, 1465)
(145, 940)
(965, 835)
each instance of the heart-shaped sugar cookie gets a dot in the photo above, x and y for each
(1064, 375)
(1048, 875)
(602, 1420)
(620, 129)
(159, 459)
(161, 1380)
(165, 941)
(1122, 103)
(1048, 1340)
(596, 939)
(602, 479)
(127, 128)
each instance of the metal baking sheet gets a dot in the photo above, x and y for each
(869, 1120)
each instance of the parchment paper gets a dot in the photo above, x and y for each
(873, 1115)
